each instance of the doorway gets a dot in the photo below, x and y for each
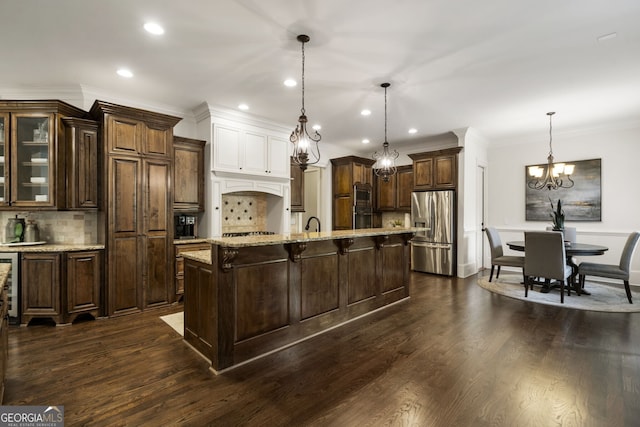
(481, 213)
(312, 199)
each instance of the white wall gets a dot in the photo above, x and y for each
(619, 149)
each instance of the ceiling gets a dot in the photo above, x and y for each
(498, 65)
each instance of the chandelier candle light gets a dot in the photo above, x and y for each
(551, 177)
(385, 165)
(304, 145)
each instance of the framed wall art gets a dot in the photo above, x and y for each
(582, 202)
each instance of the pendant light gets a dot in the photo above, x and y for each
(553, 176)
(385, 165)
(305, 146)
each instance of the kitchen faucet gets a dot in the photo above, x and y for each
(309, 221)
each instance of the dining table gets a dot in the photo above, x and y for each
(572, 249)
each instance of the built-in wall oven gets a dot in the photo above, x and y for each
(12, 285)
(362, 206)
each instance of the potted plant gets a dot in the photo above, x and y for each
(557, 216)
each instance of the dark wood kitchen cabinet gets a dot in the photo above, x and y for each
(60, 286)
(435, 170)
(33, 169)
(82, 284)
(346, 172)
(297, 188)
(395, 195)
(138, 217)
(40, 286)
(179, 250)
(188, 174)
(81, 182)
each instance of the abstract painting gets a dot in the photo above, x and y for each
(582, 202)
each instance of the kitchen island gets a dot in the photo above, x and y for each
(249, 296)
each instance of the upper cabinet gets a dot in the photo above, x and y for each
(346, 172)
(33, 155)
(80, 187)
(248, 150)
(395, 195)
(435, 169)
(188, 174)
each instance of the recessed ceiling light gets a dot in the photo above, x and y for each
(154, 28)
(316, 127)
(413, 130)
(243, 107)
(365, 112)
(365, 141)
(123, 72)
(290, 83)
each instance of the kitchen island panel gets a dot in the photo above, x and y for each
(319, 286)
(262, 298)
(244, 301)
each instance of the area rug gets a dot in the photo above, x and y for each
(604, 297)
(176, 321)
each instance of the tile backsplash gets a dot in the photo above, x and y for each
(59, 226)
(244, 211)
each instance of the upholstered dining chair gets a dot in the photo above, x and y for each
(570, 234)
(610, 271)
(498, 258)
(545, 257)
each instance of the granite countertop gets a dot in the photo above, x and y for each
(51, 247)
(274, 239)
(200, 256)
(204, 256)
(190, 241)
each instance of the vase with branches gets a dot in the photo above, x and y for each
(557, 215)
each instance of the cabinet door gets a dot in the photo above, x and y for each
(404, 188)
(81, 185)
(445, 171)
(33, 161)
(226, 148)
(386, 194)
(124, 295)
(124, 136)
(83, 278)
(254, 157)
(278, 157)
(158, 141)
(423, 174)
(4, 159)
(158, 263)
(342, 213)
(40, 286)
(188, 172)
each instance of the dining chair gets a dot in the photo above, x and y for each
(545, 257)
(498, 258)
(611, 271)
(570, 234)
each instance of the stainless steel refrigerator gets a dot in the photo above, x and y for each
(433, 250)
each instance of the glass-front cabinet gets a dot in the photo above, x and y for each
(33, 151)
(33, 159)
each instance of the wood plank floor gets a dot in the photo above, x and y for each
(453, 355)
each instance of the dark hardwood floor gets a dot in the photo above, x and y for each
(453, 355)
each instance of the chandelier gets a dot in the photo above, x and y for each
(555, 175)
(304, 145)
(385, 165)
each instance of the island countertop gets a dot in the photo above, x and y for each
(274, 239)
